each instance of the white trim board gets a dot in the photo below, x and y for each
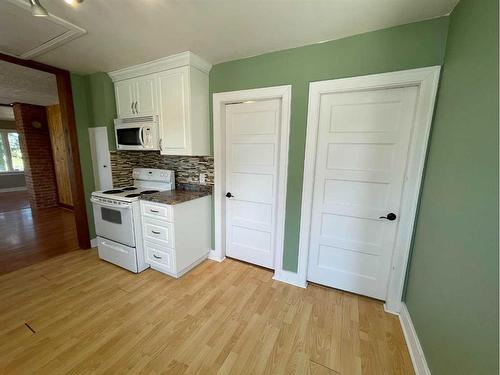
(18, 188)
(413, 343)
(213, 256)
(426, 79)
(284, 93)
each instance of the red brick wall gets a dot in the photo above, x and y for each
(37, 155)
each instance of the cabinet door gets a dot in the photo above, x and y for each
(173, 97)
(125, 97)
(146, 95)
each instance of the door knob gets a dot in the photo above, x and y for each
(390, 216)
(229, 195)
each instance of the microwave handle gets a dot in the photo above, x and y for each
(141, 136)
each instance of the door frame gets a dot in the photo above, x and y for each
(426, 79)
(65, 95)
(220, 100)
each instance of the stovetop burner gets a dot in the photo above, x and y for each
(128, 188)
(133, 195)
(149, 191)
(114, 191)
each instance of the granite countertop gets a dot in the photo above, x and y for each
(176, 196)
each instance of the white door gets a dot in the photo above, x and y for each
(172, 95)
(252, 162)
(146, 95)
(362, 149)
(125, 97)
(101, 162)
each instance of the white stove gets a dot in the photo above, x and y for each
(146, 181)
(117, 217)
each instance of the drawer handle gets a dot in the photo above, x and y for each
(156, 256)
(155, 232)
(155, 211)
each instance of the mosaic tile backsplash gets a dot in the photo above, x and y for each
(187, 168)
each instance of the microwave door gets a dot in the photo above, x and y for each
(129, 136)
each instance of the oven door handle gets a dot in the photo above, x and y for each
(116, 248)
(124, 207)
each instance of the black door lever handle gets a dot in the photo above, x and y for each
(390, 216)
(229, 195)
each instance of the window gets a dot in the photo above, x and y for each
(11, 158)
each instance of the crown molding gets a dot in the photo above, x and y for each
(165, 63)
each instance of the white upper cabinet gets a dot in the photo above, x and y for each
(146, 96)
(136, 97)
(184, 122)
(176, 89)
(125, 98)
(173, 89)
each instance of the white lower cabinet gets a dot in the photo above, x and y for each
(159, 257)
(176, 237)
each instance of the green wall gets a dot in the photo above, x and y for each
(94, 102)
(83, 110)
(452, 288)
(404, 47)
(102, 95)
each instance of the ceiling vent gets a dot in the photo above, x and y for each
(25, 36)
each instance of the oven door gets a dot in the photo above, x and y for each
(114, 223)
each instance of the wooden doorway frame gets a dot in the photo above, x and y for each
(69, 125)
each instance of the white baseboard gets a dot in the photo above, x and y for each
(7, 190)
(289, 278)
(213, 256)
(413, 343)
(389, 310)
(93, 242)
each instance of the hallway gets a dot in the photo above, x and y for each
(29, 236)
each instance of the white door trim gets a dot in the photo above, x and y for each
(219, 102)
(426, 79)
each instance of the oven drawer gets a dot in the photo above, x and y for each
(157, 231)
(159, 257)
(157, 211)
(117, 253)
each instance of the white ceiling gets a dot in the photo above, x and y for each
(126, 32)
(26, 36)
(25, 85)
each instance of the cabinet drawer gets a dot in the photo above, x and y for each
(157, 211)
(158, 231)
(159, 256)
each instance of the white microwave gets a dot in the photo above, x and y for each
(137, 133)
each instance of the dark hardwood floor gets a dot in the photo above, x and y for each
(15, 200)
(29, 236)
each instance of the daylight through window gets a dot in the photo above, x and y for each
(11, 158)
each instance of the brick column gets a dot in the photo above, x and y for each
(34, 139)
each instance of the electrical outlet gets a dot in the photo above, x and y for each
(203, 178)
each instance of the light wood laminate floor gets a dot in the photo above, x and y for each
(75, 314)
